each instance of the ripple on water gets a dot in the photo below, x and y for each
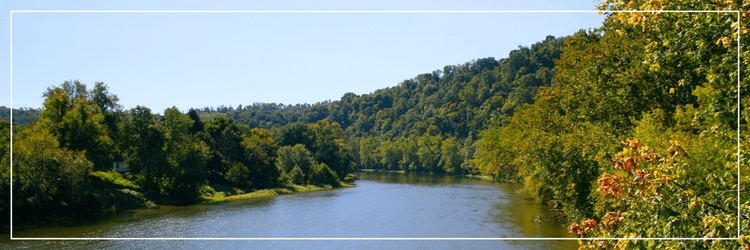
(381, 205)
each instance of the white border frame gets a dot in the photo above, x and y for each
(739, 104)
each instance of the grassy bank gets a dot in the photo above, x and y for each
(116, 192)
(216, 193)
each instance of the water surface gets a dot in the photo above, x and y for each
(382, 205)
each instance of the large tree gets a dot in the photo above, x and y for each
(186, 156)
(72, 114)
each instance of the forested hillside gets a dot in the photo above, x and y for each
(631, 129)
(639, 137)
(427, 123)
(21, 116)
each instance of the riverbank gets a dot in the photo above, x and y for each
(381, 205)
(483, 177)
(110, 193)
(225, 193)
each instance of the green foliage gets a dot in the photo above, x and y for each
(186, 156)
(450, 156)
(45, 175)
(260, 152)
(144, 150)
(330, 147)
(223, 137)
(5, 171)
(72, 114)
(21, 116)
(325, 142)
(296, 175)
(668, 79)
(114, 178)
(291, 157)
(322, 174)
(239, 175)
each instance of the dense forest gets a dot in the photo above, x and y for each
(639, 136)
(62, 161)
(633, 130)
(21, 116)
(425, 124)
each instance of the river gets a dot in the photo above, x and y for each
(382, 205)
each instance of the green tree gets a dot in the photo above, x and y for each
(450, 156)
(45, 175)
(322, 174)
(330, 147)
(260, 151)
(145, 147)
(186, 156)
(224, 138)
(298, 156)
(77, 122)
(368, 158)
(239, 175)
(5, 172)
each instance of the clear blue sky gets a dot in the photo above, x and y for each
(160, 60)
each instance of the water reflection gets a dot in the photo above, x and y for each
(382, 205)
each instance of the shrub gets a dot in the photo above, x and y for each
(322, 174)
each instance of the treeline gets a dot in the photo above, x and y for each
(59, 160)
(638, 138)
(21, 116)
(428, 123)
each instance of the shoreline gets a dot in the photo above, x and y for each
(270, 192)
(212, 196)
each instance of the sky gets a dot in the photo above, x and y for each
(195, 60)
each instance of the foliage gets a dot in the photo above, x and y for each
(72, 114)
(113, 177)
(5, 171)
(668, 79)
(296, 175)
(662, 195)
(144, 150)
(186, 156)
(46, 175)
(21, 116)
(289, 157)
(260, 151)
(322, 174)
(239, 175)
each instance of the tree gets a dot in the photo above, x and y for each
(45, 175)
(330, 148)
(5, 171)
(145, 147)
(298, 156)
(450, 156)
(186, 156)
(224, 137)
(321, 174)
(260, 151)
(72, 116)
(239, 175)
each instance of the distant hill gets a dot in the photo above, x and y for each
(457, 101)
(21, 116)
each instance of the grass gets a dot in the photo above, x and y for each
(113, 177)
(113, 190)
(116, 192)
(218, 193)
